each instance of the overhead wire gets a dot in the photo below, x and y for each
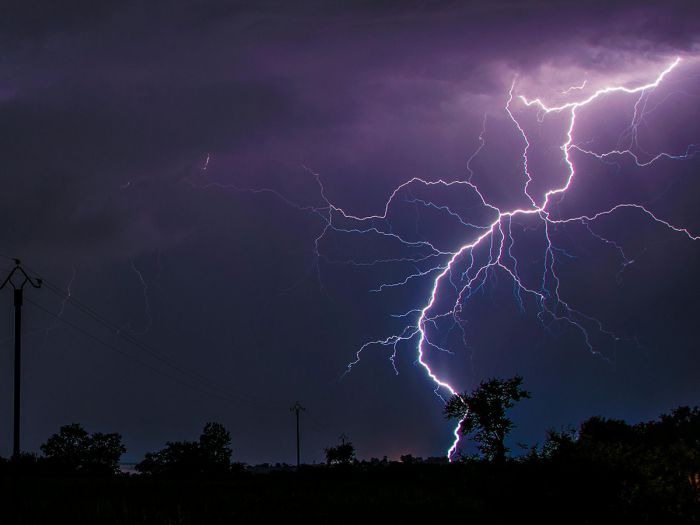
(193, 376)
(183, 376)
(116, 349)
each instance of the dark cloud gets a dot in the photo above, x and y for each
(109, 111)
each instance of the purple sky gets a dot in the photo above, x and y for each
(109, 114)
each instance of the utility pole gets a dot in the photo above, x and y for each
(17, 278)
(297, 408)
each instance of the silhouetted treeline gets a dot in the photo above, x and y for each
(653, 467)
(605, 471)
(72, 451)
(210, 456)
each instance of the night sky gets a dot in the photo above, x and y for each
(173, 166)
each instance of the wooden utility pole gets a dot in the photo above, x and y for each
(297, 408)
(17, 278)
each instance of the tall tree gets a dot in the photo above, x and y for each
(215, 447)
(482, 413)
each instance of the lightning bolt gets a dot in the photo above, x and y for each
(146, 301)
(206, 162)
(498, 234)
(457, 274)
(574, 88)
(64, 301)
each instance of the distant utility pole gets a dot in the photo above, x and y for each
(17, 278)
(297, 408)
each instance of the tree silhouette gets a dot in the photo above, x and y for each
(74, 450)
(343, 454)
(210, 456)
(215, 448)
(482, 414)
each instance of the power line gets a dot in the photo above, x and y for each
(190, 379)
(191, 385)
(169, 361)
(120, 351)
(322, 428)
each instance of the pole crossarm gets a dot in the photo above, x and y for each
(297, 407)
(24, 276)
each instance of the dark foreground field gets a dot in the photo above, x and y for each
(471, 492)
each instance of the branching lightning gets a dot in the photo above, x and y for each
(574, 88)
(458, 273)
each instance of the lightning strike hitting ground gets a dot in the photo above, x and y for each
(553, 307)
(457, 274)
